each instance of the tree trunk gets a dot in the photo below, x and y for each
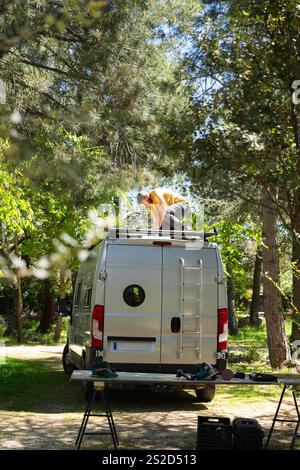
(62, 295)
(296, 284)
(277, 342)
(19, 310)
(19, 295)
(295, 222)
(49, 307)
(255, 301)
(12, 319)
(14, 323)
(232, 320)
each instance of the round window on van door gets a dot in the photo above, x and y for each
(134, 295)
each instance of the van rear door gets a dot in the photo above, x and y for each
(132, 324)
(193, 321)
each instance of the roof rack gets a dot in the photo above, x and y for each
(136, 232)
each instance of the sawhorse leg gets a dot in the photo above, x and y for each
(295, 433)
(85, 418)
(275, 419)
(110, 418)
(108, 414)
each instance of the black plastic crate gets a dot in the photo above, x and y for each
(214, 433)
(247, 434)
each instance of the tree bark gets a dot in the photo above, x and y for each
(277, 342)
(255, 301)
(19, 295)
(14, 326)
(49, 307)
(232, 320)
(296, 284)
(295, 222)
(62, 295)
(12, 319)
(19, 310)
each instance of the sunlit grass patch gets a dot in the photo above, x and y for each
(36, 385)
(250, 336)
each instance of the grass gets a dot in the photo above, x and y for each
(250, 336)
(249, 349)
(35, 385)
(42, 386)
(31, 388)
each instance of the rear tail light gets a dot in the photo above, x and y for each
(222, 328)
(98, 326)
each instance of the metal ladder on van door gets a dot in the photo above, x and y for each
(198, 298)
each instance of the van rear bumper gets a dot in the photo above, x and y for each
(220, 364)
(155, 368)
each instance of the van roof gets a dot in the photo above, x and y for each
(154, 241)
(137, 236)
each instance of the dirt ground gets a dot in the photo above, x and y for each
(144, 419)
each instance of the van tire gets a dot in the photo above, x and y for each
(87, 390)
(206, 394)
(68, 366)
(87, 386)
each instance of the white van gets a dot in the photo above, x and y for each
(152, 304)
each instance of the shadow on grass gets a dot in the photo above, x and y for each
(49, 411)
(144, 418)
(42, 386)
(283, 431)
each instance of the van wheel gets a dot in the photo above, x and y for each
(87, 386)
(66, 361)
(87, 390)
(206, 394)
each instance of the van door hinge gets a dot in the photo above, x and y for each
(220, 279)
(102, 275)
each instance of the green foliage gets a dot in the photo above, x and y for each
(15, 211)
(236, 242)
(88, 94)
(31, 335)
(2, 327)
(90, 87)
(245, 60)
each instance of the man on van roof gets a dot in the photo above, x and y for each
(167, 208)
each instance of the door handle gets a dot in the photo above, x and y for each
(175, 324)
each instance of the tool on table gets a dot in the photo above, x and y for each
(104, 370)
(186, 375)
(260, 377)
(239, 375)
(206, 371)
(227, 374)
(203, 371)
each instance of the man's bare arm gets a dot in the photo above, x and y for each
(161, 212)
(156, 218)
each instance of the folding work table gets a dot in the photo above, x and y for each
(149, 379)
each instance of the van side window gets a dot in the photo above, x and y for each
(88, 297)
(78, 292)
